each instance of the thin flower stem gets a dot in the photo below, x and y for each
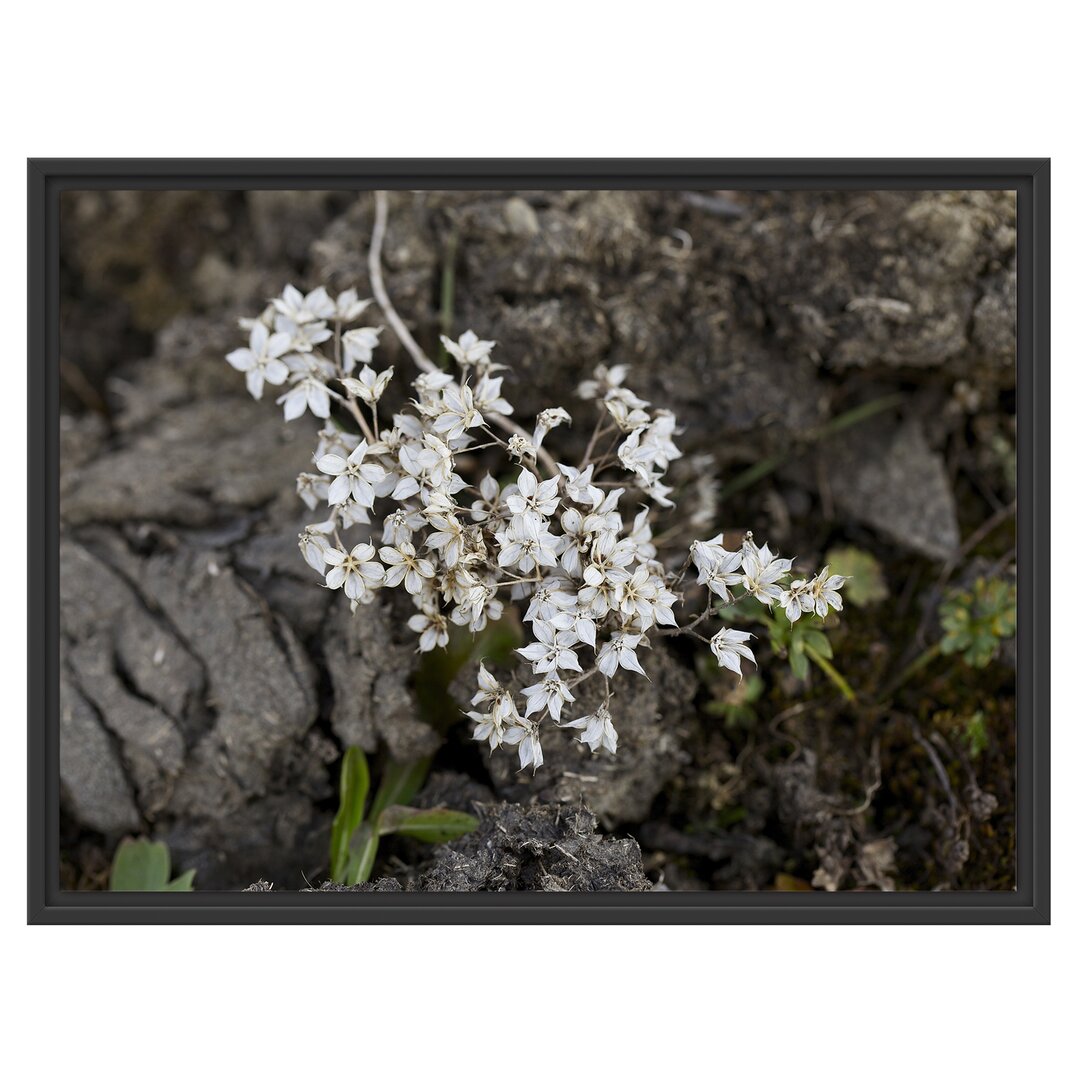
(598, 432)
(351, 405)
(924, 658)
(840, 682)
(582, 677)
(420, 358)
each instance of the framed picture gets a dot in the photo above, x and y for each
(534, 541)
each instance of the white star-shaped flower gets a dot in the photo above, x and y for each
(261, 361)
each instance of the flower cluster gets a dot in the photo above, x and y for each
(570, 544)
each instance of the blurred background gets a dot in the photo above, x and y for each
(843, 366)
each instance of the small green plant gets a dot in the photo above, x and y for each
(736, 705)
(801, 643)
(974, 622)
(865, 581)
(975, 734)
(144, 866)
(357, 828)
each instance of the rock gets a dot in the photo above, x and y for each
(285, 223)
(370, 674)
(93, 787)
(650, 716)
(196, 465)
(889, 478)
(881, 279)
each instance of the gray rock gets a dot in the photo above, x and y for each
(889, 478)
(196, 465)
(93, 787)
(370, 674)
(650, 716)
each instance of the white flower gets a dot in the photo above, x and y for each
(447, 537)
(299, 309)
(490, 729)
(431, 626)
(552, 649)
(403, 564)
(526, 545)
(307, 393)
(348, 308)
(261, 362)
(368, 387)
(597, 730)
(532, 499)
(717, 567)
(527, 739)
(468, 349)
(354, 569)
(359, 346)
(548, 420)
(492, 693)
(761, 572)
(548, 600)
(824, 591)
(727, 646)
(627, 416)
(639, 598)
(521, 449)
(400, 525)
(312, 489)
(577, 541)
(579, 486)
(795, 600)
(478, 605)
(313, 546)
(608, 561)
(619, 652)
(487, 506)
(459, 413)
(489, 399)
(578, 623)
(551, 694)
(641, 536)
(303, 337)
(605, 380)
(354, 476)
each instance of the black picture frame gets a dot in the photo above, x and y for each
(1029, 903)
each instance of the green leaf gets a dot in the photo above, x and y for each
(432, 826)
(866, 583)
(144, 866)
(976, 735)
(400, 782)
(817, 641)
(361, 856)
(183, 883)
(355, 781)
(800, 665)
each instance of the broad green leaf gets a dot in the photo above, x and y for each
(183, 883)
(400, 782)
(432, 826)
(818, 642)
(800, 665)
(866, 583)
(355, 782)
(143, 866)
(361, 855)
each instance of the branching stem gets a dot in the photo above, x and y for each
(410, 344)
